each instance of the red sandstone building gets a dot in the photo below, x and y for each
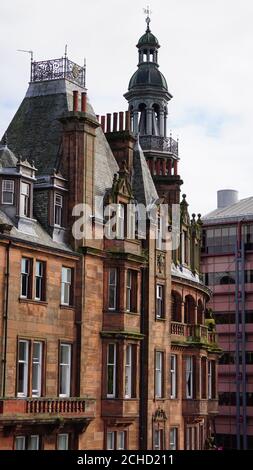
(227, 263)
(103, 341)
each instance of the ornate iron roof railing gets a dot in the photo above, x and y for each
(56, 69)
(164, 144)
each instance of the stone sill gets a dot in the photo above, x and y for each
(33, 301)
(67, 307)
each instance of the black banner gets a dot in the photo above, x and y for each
(112, 459)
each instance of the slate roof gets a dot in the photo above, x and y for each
(36, 133)
(143, 186)
(32, 232)
(241, 210)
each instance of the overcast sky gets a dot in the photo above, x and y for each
(206, 57)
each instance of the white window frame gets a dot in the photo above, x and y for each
(37, 369)
(158, 437)
(189, 377)
(210, 377)
(121, 440)
(129, 282)
(67, 367)
(66, 443)
(58, 210)
(20, 439)
(173, 376)
(25, 363)
(25, 199)
(128, 371)
(112, 365)
(8, 187)
(112, 287)
(39, 275)
(66, 285)
(27, 275)
(158, 374)
(110, 436)
(159, 301)
(173, 438)
(33, 442)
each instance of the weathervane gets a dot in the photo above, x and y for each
(147, 12)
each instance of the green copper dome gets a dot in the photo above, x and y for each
(148, 75)
(148, 39)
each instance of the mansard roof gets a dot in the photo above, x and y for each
(36, 131)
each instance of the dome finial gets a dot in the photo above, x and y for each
(147, 12)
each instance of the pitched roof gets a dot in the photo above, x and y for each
(32, 232)
(242, 209)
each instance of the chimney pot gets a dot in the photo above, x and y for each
(103, 123)
(108, 122)
(75, 100)
(84, 102)
(121, 121)
(127, 114)
(115, 122)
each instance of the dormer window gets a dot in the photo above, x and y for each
(58, 210)
(7, 192)
(25, 200)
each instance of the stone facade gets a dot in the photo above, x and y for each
(103, 341)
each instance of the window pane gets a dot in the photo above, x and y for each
(65, 369)
(22, 368)
(36, 369)
(121, 440)
(33, 443)
(62, 442)
(110, 440)
(20, 443)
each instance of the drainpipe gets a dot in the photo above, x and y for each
(143, 361)
(5, 318)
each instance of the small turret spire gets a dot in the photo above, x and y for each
(147, 12)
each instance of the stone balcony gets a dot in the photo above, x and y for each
(74, 411)
(182, 332)
(195, 407)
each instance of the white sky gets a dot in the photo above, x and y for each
(206, 57)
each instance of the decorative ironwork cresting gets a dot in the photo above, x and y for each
(58, 68)
(151, 142)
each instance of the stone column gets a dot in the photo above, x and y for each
(195, 315)
(135, 121)
(165, 123)
(182, 312)
(149, 112)
(161, 123)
